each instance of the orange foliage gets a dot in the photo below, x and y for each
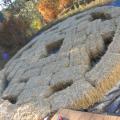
(64, 3)
(48, 9)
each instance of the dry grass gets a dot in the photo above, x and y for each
(81, 7)
(96, 94)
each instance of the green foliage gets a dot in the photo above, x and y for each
(36, 24)
(26, 10)
(29, 11)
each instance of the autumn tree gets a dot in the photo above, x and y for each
(64, 3)
(48, 9)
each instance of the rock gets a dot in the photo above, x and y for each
(67, 75)
(106, 70)
(6, 110)
(2, 81)
(41, 80)
(115, 46)
(15, 69)
(30, 94)
(53, 67)
(69, 97)
(34, 110)
(95, 45)
(74, 64)
(79, 56)
(12, 92)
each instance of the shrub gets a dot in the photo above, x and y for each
(13, 35)
(36, 24)
(64, 3)
(48, 9)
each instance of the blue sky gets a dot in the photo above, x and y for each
(1, 6)
(1, 1)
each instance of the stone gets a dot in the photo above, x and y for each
(12, 65)
(115, 46)
(106, 69)
(12, 91)
(67, 75)
(70, 96)
(93, 26)
(107, 27)
(6, 110)
(53, 67)
(14, 70)
(2, 81)
(40, 80)
(94, 45)
(73, 64)
(29, 94)
(35, 110)
(30, 73)
(115, 12)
